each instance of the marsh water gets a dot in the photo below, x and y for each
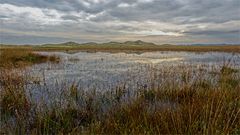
(104, 71)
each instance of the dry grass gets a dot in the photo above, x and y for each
(235, 48)
(129, 48)
(17, 58)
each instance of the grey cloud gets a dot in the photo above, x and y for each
(191, 11)
(70, 17)
(164, 10)
(53, 4)
(195, 19)
(28, 39)
(211, 32)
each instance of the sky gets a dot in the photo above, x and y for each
(157, 21)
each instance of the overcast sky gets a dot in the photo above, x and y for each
(158, 21)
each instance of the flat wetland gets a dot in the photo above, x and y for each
(128, 47)
(120, 90)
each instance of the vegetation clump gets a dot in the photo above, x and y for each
(17, 58)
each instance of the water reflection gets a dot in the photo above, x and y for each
(105, 71)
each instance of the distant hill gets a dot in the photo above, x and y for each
(127, 43)
(62, 44)
(138, 42)
(128, 46)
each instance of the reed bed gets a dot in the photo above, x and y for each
(20, 58)
(197, 102)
